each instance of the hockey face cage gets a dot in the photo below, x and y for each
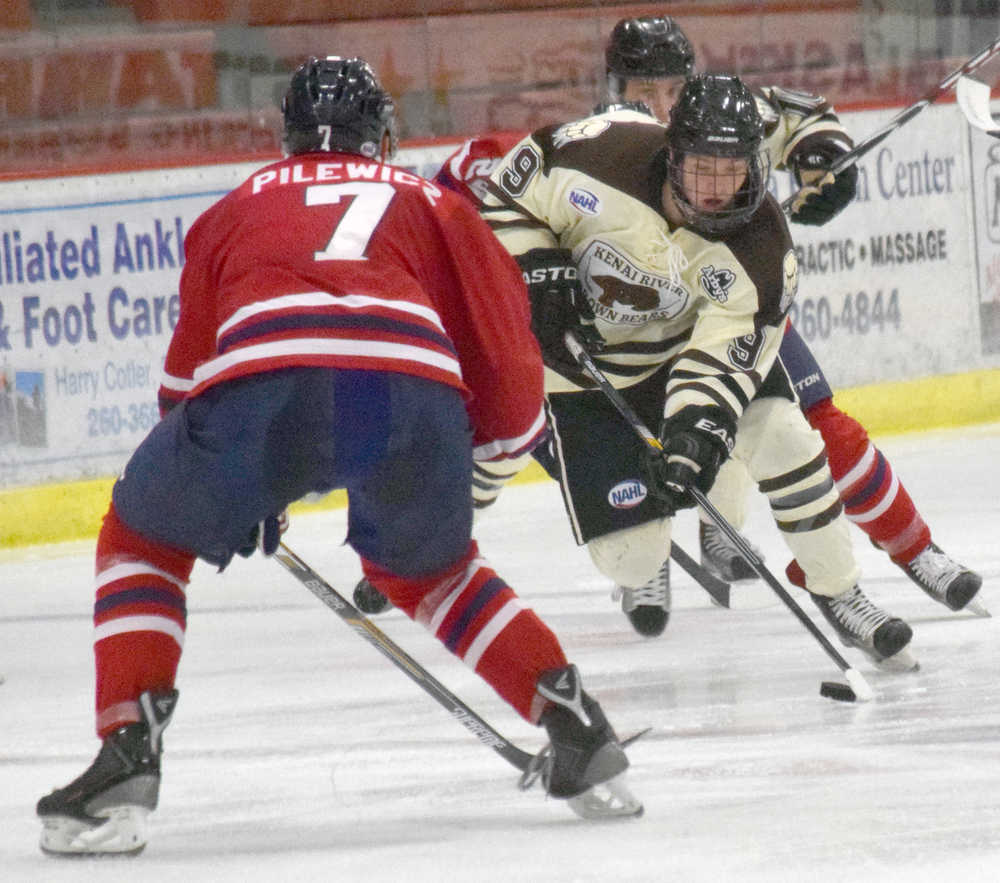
(336, 104)
(690, 200)
(716, 116)
(646, 49)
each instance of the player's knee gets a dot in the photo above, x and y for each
(633, 556)
(774, 438)
(730, 491)
(845, 438)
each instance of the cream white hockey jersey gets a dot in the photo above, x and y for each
(712, 308)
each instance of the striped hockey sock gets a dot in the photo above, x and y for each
(874, 498)
(480, 619)
(140, 615)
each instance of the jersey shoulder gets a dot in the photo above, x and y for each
(764, 249)
(468, 168)
(622, 149)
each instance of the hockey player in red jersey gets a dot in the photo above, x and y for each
(647, 60)
(344, 323)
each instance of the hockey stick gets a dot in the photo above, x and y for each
(364, 627)
(857, 688)
(974, 99)
(717, 588)
(905, 115)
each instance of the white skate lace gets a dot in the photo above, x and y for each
(719, 548)
(655, 593)
(857, 614)
(935, 570)
(717, 544)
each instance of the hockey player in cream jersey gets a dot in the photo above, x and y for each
(646, 61)
(686, 271)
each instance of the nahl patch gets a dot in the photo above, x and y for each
(627, 494)
(585, 202)
(716, 282)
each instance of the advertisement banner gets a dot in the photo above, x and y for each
(894, 288)
(89, 275)
(985, 162)
(886, 289)
(89, 272)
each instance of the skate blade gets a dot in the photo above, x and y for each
(973, 607)
(902, 661)
(635, 737)
(608, 800)
(123, 834)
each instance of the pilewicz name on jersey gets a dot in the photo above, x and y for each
(712, 308)
(340, 294)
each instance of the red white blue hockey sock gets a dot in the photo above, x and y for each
(874, 498)
(140, 615)
(477, 616)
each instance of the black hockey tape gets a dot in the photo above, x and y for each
(840, 692)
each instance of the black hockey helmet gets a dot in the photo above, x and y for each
(716, 115)
(337, 104)
(646, 48)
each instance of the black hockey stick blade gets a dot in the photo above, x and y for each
(717, 588)
(364, 627)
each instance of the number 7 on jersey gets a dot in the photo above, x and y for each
(368, 202)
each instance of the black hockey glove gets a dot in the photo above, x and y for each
(696, 441)
(265, 535)
(558, 305)
(823, 195)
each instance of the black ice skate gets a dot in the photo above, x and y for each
(648, 606)
(584, 763)
(720, 557)
(368, 599)
(860, 623)
(943, 578)
(104, 811)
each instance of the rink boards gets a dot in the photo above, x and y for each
(897, 297)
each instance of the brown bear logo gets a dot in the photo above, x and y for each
(641, 297)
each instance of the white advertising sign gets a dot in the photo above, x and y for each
(886, 288)
(89, 272)
(985, 153)
(89, 275)
(904, 283)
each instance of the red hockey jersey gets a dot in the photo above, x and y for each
(468, 169)
(331, 260)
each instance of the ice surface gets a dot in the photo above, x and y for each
(298, 752)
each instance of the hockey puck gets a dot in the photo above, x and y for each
(840, 692)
